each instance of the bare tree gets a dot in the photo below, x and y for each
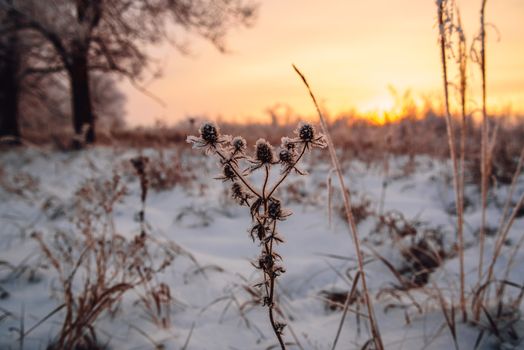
(112, 35)
(45, 108)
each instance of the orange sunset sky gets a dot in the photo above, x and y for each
(350, 50)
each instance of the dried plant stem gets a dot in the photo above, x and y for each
(264, 197)
(269, 246)
(463, 61)
(237, 173)
(485, 159)
(457, 180)
(270, 278)
(350, 296)
(516, 248)
(351, 220)
(516, 175)
(272, 281)
(449, 317)
(330, 198)
(284, 176)
(504, 228)
(484, 144)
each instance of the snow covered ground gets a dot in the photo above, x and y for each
(211, 307)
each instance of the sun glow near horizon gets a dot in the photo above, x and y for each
(351, 52)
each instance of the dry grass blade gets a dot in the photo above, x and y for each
(492, 322)
(405, 284)
(22, 328)
(188, 339)
(449, 317)
(330, 198)
(444, 43)
(349, 215)
(477, 298)
(45, 318)
(502, 236)
(479, 339)
(350, 296)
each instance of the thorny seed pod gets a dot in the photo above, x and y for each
(209, 139)
(238, 193)
(285, 156)
(228, 173)
(306, 132)
(209, 133)
(265, 262)
(309, 137)
(239, 144)
(259, 230)
(264, 152)
(236, 189)
(274, 210)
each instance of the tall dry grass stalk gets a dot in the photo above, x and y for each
(350, 296)
(504, 226)
(445, 30)
(463, 64)
(487, 148)
(484, 143)
(377, 339)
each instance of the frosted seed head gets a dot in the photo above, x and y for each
(274, 210)
(237, 190)
(306, 132)
(239, 144)
(285, 156)
(264, 152)
(228, 172)
(209, 133)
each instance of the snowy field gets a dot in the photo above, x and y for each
(196, 227)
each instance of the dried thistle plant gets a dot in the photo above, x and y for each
(97, 266)
(265, 208)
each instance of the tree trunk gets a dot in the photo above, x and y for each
(81, 100)
(9, 88)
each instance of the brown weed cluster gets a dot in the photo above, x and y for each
(97, 266)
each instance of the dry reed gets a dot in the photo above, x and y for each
(377, 339)
(446, 28)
